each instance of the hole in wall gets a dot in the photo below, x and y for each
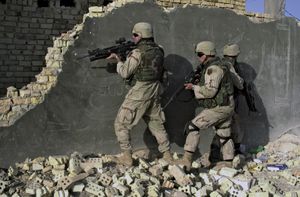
(105, 2)
(67, 3)
(3, 1)
(43, 3)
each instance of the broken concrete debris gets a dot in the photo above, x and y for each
(267, 173)
(26, 179)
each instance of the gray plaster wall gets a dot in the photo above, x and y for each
(78, 114)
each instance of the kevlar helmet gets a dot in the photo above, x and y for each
(206, 47)
(143, 29)
(231, 50)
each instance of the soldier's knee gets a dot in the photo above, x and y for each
(190, 127)
(122, 135)
(224, 132)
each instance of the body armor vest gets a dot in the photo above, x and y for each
(152, 59)
(225, 89)
(230, 62)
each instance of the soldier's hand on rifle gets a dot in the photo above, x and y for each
(114, 56)
(188, 86)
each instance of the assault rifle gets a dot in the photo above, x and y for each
(193, 77)
(122, 48)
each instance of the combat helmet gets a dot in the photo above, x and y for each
(206, 47)
(143, 29)
(231, 50)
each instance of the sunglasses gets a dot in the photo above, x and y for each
(199, 54)
(135, 35)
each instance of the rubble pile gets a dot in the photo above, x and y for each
(279, 162)
(96, 175)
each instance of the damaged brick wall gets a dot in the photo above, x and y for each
(26, 30)
(238, 5)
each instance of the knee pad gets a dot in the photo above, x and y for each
(190, 127)
(227, 149)
(224, 132)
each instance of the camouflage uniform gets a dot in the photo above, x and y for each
(230, 52)
(144, 66)
(215, 94)
(237, 133)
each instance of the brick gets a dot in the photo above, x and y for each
(95, 189)
(128, 178)
(179, 175)
(37, 167)
(206, 179)
(34, 25)
(215, 194)
(186, 189)
(153, 191)
(91, 162)
(6, 40)
(259, 194)
(58, 160)
(105, 179)
(46, 26)
(229, 172)
(225, 184)
(122, 189)
(143, 164)
(24, 25)
(111, 192)
(3, 185)
(74, 163)
(67, 182)
(61, 193)
(236, 192)
(78, 187)
(9, 23)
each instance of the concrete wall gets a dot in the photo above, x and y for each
(78, 112)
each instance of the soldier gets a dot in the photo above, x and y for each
(215, 94)
(144, 69)
(230, 53)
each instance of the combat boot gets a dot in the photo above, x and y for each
(167, 156)
(186, 160)
(124, 159)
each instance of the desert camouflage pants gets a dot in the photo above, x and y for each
(220, 118)
(131, 111)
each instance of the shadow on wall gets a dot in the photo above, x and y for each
(254, 124)
(182, 109)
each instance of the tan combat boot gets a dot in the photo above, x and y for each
(167, 156)
(124, 159)
(186, 160)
